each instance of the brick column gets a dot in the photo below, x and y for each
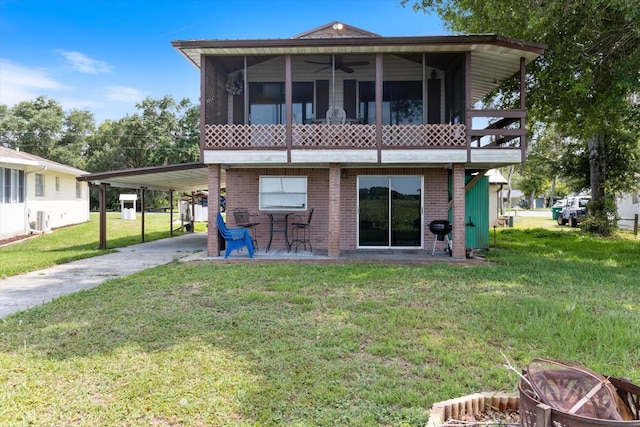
(213, 207)
(458, 222)
(334, 211)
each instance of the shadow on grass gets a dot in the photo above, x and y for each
(118, 242)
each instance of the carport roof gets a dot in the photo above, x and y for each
(183, 177)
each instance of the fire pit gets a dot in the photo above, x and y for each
(441, 229)
(567, 394)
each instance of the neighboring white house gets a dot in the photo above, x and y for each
(516, 198)
(496, 184)
(38, 195)
(628, 207)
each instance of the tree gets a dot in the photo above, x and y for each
(163, 132)
(584, 80)
(41, 127)
(77, 127)
(104, 151)
(33, 126)
(168, 131)
(544, 161)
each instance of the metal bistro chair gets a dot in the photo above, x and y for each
(301, 232)
(243, 219)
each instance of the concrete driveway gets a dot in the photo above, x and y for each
(20, 292)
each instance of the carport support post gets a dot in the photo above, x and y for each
(102, 201)
(213, 182)
(458, 217)
(142, 210)
(171, 212)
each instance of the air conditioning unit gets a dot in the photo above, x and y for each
(43, 221)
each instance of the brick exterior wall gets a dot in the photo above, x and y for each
(335, 211)
(242, 188)
(458, 222)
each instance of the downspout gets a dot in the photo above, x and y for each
(26, 211)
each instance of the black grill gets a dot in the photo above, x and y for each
(440, 227)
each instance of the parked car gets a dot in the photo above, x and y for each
(574, 211)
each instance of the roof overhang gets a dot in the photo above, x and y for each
(494, 58)
(185, 177)
(19, 158)
(481, 43)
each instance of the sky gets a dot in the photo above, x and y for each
(107, 55)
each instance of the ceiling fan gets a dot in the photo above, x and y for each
(338, 64)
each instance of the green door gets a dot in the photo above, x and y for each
(476, 208)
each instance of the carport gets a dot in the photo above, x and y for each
(182, 178)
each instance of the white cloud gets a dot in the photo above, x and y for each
(19, 83)
(82, 63)
(124, 94)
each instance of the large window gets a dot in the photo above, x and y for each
(11, 186)
(283, 192)
(401, 102)
(267, 102)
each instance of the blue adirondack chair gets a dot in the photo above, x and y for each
(236, 238)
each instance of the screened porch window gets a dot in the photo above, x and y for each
(267, 102)
(283, 192)
(401, 102)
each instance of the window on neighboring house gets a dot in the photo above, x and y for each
(635, 197)
(57, 184)
(283, 192)
(11, 186)
(78, 190)
(39, 185)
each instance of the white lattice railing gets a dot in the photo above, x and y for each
(407, 136)
(333, 136)
(244, 136)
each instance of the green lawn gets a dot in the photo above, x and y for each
(356, 344)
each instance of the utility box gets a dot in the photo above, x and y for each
(43, 219)
(128, 206)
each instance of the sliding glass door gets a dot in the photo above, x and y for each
(390, 211)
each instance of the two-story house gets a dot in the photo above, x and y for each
(379, 135)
